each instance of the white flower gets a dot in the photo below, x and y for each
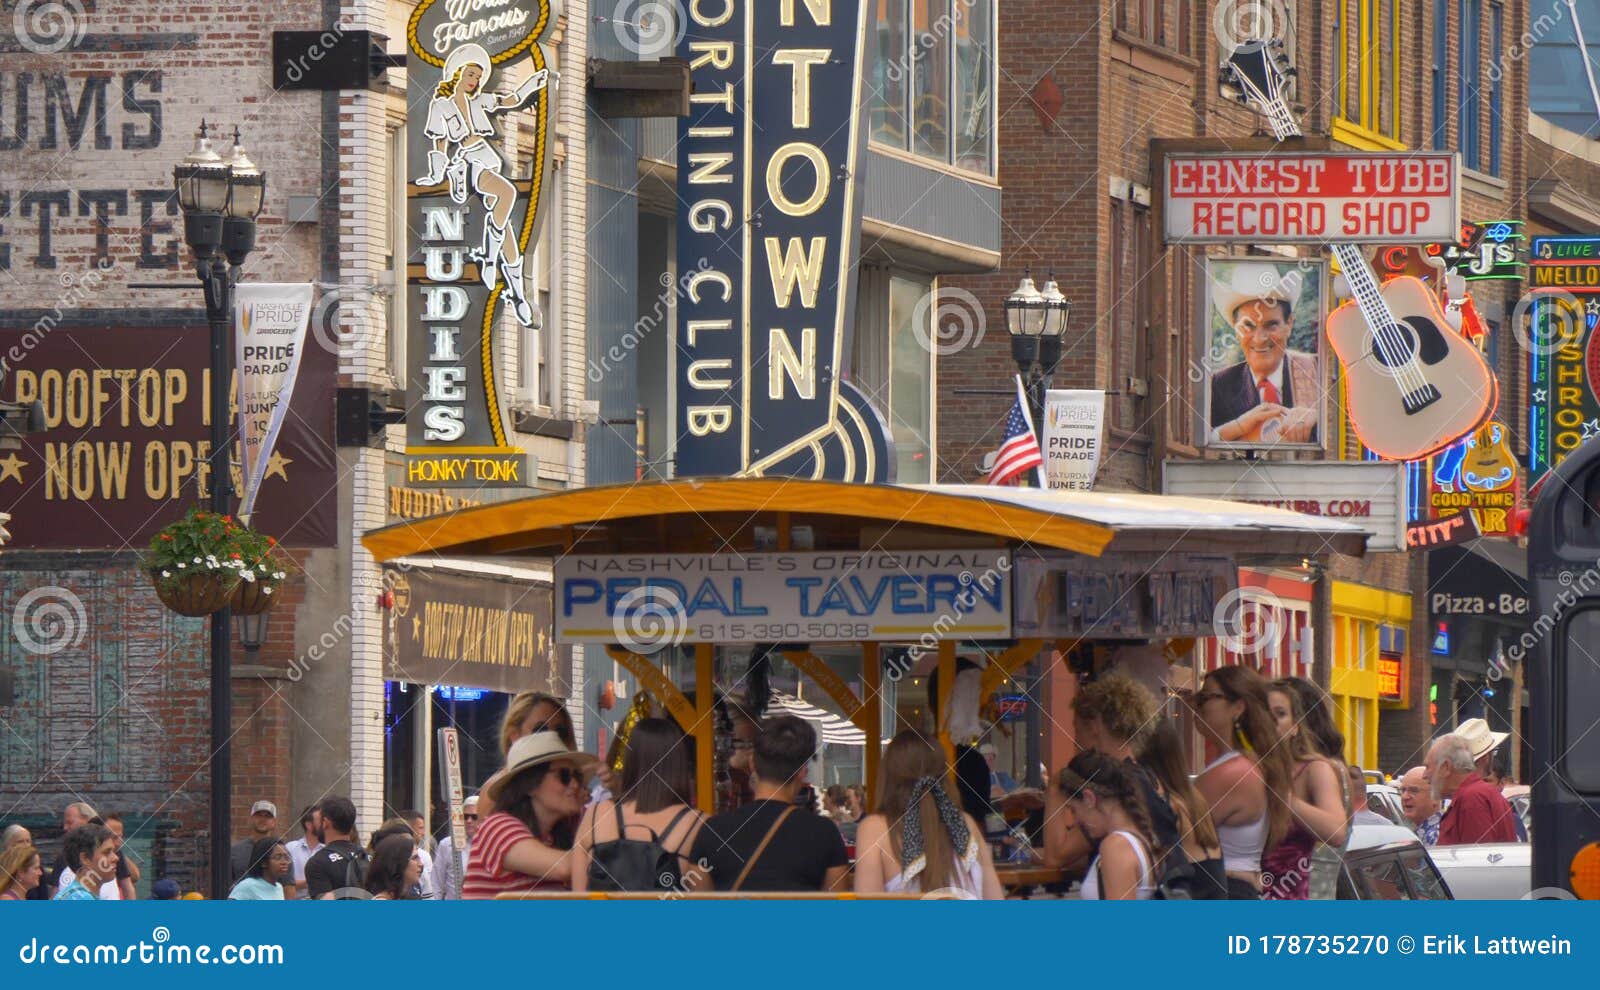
(166, 573)
(197, 560)
(180, 565)
(248, 576)
(266, 589)
(280, 576)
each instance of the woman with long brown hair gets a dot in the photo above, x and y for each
(526, 845)
(918, 839)
(1247, 783)
(1204, 878)
(640, 839)
(1108, 802)
(1316, 800)
(20, 871)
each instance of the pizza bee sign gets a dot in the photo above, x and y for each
(477, 69)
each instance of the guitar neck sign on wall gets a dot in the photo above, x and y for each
(769, 231)
(477, 71)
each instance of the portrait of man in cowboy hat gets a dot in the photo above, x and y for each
(1264, 390)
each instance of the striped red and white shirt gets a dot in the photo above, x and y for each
(487, 874)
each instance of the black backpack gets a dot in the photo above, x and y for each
(624, 864)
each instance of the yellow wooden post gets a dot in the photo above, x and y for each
(872, 692)
(704, 726)
(947, 681)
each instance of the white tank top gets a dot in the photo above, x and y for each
(1242, 845)
(966, 883)
(1090, 891)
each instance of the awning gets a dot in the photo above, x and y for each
(832, 728)
(711, 515)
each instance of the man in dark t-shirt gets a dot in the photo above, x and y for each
(340, 864)
(770, 844)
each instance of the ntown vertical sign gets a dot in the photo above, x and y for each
(476, 68)
(767, 170)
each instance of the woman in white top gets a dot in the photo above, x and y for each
(1108, 804)
(918, 840)
(1248, 782)
(459, 115)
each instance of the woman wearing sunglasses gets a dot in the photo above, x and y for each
(1248, 783)
(526, 845)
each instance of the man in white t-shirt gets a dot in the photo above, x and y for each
(302, 848)
(446, 881)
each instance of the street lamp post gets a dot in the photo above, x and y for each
(220, 199)
(1036, 320)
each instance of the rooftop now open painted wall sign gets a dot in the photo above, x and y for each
(476, 71)
(767, 175)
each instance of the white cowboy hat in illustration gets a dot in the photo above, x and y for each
(468, 55)
(1255, 280)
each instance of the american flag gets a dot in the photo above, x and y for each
(1020, 449)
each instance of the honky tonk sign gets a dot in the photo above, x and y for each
(477, 74)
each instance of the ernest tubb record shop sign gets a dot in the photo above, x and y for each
(477, 71)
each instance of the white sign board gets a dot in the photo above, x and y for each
(1311, 197)
(647, 601)
(1369, 494)
(270, 320)
(1072, 437)
(450, 784)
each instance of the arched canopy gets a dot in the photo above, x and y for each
(745, 514)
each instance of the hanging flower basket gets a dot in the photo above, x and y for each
(195, 594)
(207, 561)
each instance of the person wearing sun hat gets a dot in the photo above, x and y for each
(1272, 396)
(525, 844)
(1484, 742)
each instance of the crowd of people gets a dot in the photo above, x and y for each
(1124, 811)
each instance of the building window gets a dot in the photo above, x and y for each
(1469, 79)
(931, 69)
(1367, 71)
(1136, 277)
(1497, 20)
(541, 344)
(911, 384)
(1440, 72)
(1163, 23)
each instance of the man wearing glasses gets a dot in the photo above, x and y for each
(1419, 807)
(447, 874)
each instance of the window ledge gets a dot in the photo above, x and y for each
(1141, 54)
(1359, 137)
(1483, 183)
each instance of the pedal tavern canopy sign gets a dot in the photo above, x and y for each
(476, 69)
(767, 173)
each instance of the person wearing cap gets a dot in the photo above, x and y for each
(263, 824)
(1273, 395)
(165, 889)
(1478, 812)
(446, 874)
(1000, 782)
(526, 844)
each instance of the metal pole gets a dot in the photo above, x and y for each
(1032, 720)
(219, 282)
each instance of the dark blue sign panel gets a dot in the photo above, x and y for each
(768, 234)
(472, 212)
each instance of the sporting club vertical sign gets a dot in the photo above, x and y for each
(769, 231)
(1564, 406)
(476, 68)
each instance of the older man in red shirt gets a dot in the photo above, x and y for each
(1478, 812)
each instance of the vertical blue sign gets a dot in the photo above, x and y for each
(768, 232)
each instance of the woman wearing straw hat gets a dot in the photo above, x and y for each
(1272, 396)
(459, 115)
(526, 844)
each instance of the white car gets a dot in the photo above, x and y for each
(1489, 871)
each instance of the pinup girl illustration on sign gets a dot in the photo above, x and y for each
(459, 115)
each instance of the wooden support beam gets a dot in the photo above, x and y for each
(1008, 663)
(705, 691)
(831, 684)
(651, 679)
(872, 712)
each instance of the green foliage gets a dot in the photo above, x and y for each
(207, 542)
